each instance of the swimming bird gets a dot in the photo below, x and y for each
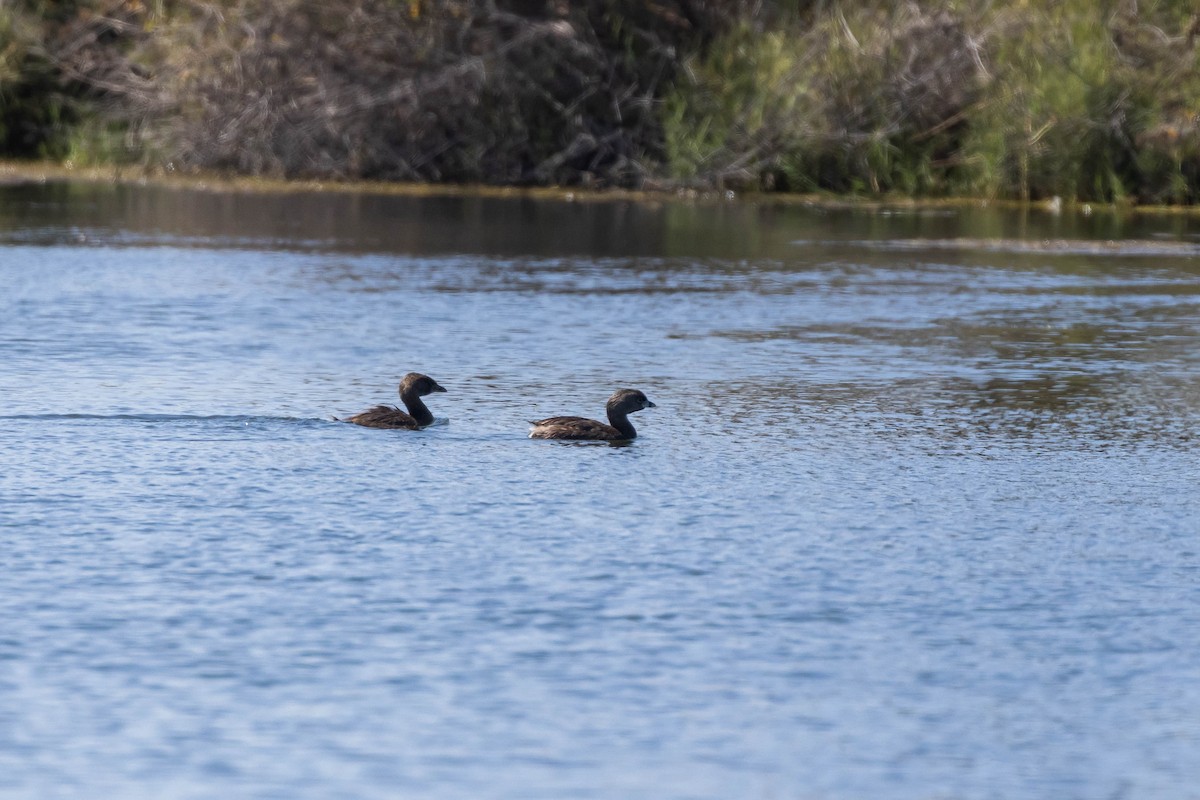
(623, 403)
(413, 387)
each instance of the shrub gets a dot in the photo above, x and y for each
(873, 100)
(1065, 98)
(1084, 100)
(461, 90)
(57, 59)
(1091, 103)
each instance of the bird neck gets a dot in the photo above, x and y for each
(620, 420)
(417, 408)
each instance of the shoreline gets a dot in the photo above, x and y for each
(13, 172)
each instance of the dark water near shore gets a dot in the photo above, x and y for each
(916, 515)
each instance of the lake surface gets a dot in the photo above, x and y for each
(916, 515)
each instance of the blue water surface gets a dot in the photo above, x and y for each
(915, 517)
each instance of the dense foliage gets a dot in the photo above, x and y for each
(1025, 99)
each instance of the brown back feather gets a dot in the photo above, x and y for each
(384, 417)
(574, 428)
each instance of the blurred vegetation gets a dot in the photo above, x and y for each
(1029, 99)
(1089, 100)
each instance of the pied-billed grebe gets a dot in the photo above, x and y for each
(623, 403)
(413, 387)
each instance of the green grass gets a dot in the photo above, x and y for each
(1073, 99)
